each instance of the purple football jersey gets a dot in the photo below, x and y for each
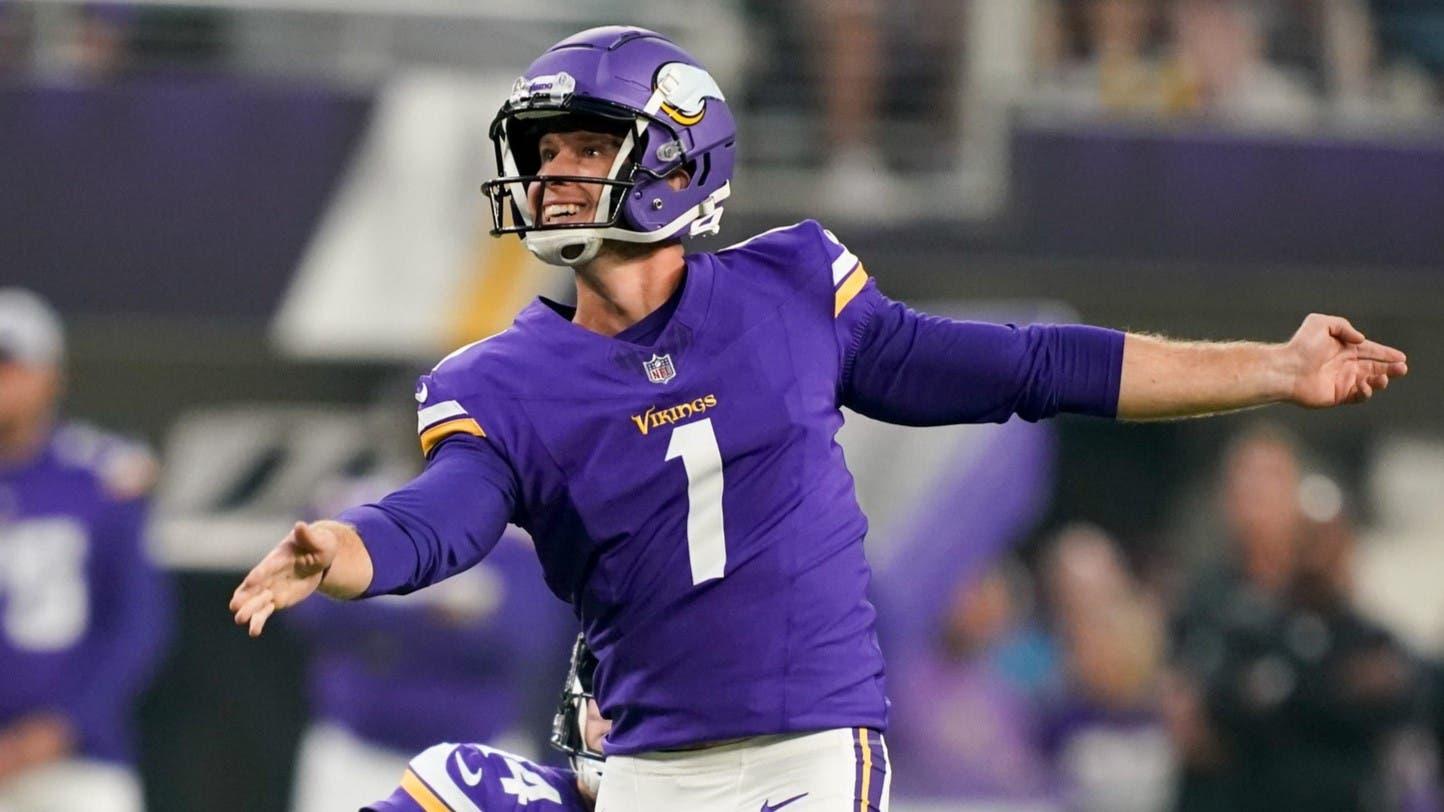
(83, 613)
(687, 494)
(477, 778)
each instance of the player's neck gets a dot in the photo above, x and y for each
(614, 292)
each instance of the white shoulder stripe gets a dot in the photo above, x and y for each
(430, 767)
(842, 266)
(437, 412)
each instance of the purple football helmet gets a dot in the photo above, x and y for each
(670, 114)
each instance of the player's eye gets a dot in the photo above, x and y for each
(548, 154)
(592, 152)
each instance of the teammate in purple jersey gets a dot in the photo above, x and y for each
(477, 778)
(669, 441)
(83, 613)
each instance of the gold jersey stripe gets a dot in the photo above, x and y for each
(440, 431)
(850, 286)
(421, 793)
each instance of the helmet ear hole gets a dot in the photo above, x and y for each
(690, 168)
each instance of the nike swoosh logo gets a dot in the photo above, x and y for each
(421, 393)
(471, 778)
(766, 807)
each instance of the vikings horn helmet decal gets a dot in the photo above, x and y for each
(667, 109)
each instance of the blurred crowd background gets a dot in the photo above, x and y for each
(258, 221)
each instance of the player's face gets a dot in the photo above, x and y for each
(582, 153)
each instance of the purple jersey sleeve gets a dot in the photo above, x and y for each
(918, 370)
(909, 368)
(476, 777)
(442, 522)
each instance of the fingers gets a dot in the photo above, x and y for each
(1385, 369)
(1374, 351)
(304, 535)
(253, 605)
(1362, 392)
(1341, 329)
(258, 620)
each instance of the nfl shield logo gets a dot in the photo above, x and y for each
(660, 369)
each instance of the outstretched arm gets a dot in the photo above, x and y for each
(1326, 363)
(439, 524)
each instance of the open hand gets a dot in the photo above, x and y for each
(1334, 364)
(287, 575)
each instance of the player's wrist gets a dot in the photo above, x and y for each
(349, 571)
(1281, 373)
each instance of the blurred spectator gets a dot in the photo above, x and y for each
(84, 615)
(14, 36)
(1412, 31)
(492, 638)
(99, 41)
(1268, 62)
(1220, 49)
(1285, 697)
(1105, 731)
(967, 724)
(968, 667)
(1107, 51)
(861, 55)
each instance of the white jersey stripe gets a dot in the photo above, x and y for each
(438, 412)
(842, 266)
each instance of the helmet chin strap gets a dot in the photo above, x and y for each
(578, 246)
(568, 249)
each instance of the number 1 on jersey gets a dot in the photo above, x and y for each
(696, 444)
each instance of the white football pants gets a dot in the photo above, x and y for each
(844, 770)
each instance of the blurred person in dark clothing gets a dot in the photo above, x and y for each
(1105, 731)
(1412, 30)
(14, 36)
(84, 615)
(1283, 696)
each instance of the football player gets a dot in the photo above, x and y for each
(474, 777)
(84, 614)
(669, 441)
